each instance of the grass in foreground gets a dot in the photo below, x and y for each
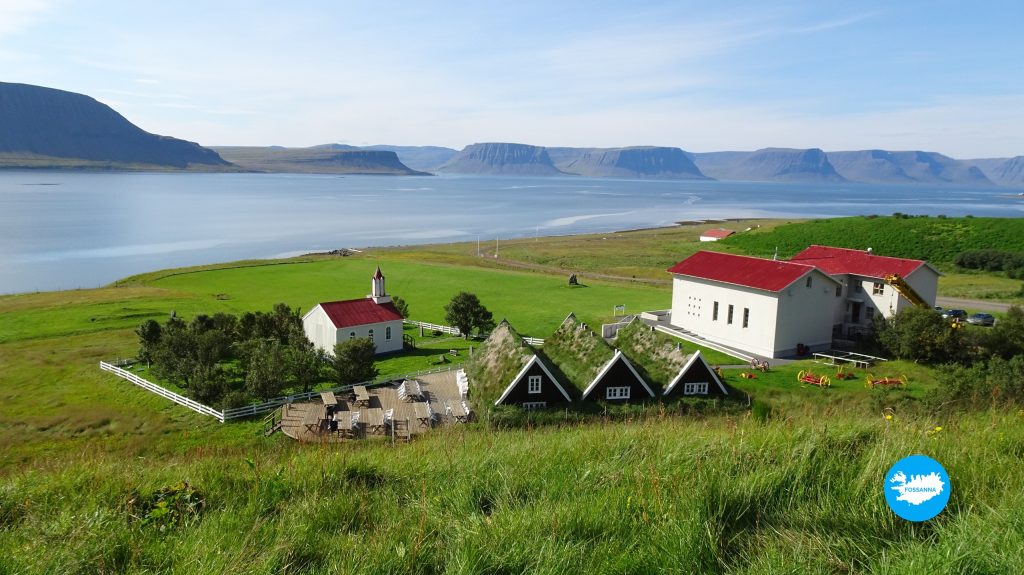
(664, 495)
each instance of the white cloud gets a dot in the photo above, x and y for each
(18, 15)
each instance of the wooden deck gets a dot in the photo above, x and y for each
(440, 391)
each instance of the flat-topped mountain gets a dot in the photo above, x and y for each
(1003, 171)
(910, 167)
(769, 164)
(424, 158)
(48, 128)
(502, 159)
(325, 159)
(634, 162)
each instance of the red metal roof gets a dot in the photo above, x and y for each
(758, 273)
(834, 261)
(717, 233)
(354, 312)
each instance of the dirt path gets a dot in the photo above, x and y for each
(973, 304)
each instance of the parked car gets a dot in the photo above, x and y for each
(954, 314)
(981, 319)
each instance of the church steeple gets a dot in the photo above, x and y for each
(377, 293)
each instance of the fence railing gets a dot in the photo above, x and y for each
(162, 392)
(455, 331)
(434, 326)
(256, 409)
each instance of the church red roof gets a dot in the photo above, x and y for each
(353, 312)
(834, 261)
(758, 273)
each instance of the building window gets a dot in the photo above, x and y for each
(533, 384)
(714, 312)
(869, 313)
(857, 287)
(810, 280)
(695, 388)
(728, 318)
(371, 335)
(878, 289)
(839, 291)
(387, 333)
(746, 316)
(351, 335)
(617, 393)
(532, 405)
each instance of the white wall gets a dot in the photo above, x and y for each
(380, 340)
(692, 309)
(806, 314)
(319, 329)
(925, 282)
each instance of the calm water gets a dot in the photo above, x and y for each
(67, 230)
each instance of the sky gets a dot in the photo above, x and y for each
(934, 75)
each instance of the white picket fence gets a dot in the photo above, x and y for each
(455, 331)
(162, 392)
(434, 326)
(250, 410)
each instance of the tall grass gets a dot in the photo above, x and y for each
(716, 495)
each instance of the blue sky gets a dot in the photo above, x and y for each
(934, 75)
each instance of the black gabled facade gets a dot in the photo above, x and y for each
(618, 381)
(533, 385)
(696, 379)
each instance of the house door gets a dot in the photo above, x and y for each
(855, 312)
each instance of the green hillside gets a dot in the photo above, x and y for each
(937, 240)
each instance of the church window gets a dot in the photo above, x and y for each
(351, 335)
(387, 333)
(371, 335)
(714, 312)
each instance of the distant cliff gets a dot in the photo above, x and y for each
(425, 158)
(1003, 171)
(913, 167)
(769, 164)
(47, 128)
(635, 162)
(502, 159)
(326, 159)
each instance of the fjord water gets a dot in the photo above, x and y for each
(62, 230)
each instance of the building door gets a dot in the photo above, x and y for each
(855, 312)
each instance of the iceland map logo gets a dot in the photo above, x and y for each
(917, 488)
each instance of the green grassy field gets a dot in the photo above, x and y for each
(794, 488)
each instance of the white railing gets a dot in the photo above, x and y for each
(434, 326)
(256, 409)
(165, 393)
(533, 340)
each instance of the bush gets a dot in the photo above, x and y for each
(921, 335)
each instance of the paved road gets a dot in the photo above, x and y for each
(972, 304)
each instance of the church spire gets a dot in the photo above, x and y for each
(377, 292)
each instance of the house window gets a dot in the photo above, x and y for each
(810, 281)
(695, 388)
(728, 318)
(617, 393)
(533, 405)
(839, 291)
(857, 287)
(869, 313)
(387, 333)
(533, 384)
(878, 289)
(714, 312)
(351, 335)
(371, 335)
(746, 316)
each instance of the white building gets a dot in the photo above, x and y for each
(760, 306)
(715, 234)
(769, 308)
(374, 317)
(865, 291)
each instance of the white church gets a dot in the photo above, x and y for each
(770, 308)
(374, 317)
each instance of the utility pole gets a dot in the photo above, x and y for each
(478, 245)
(496, 240)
